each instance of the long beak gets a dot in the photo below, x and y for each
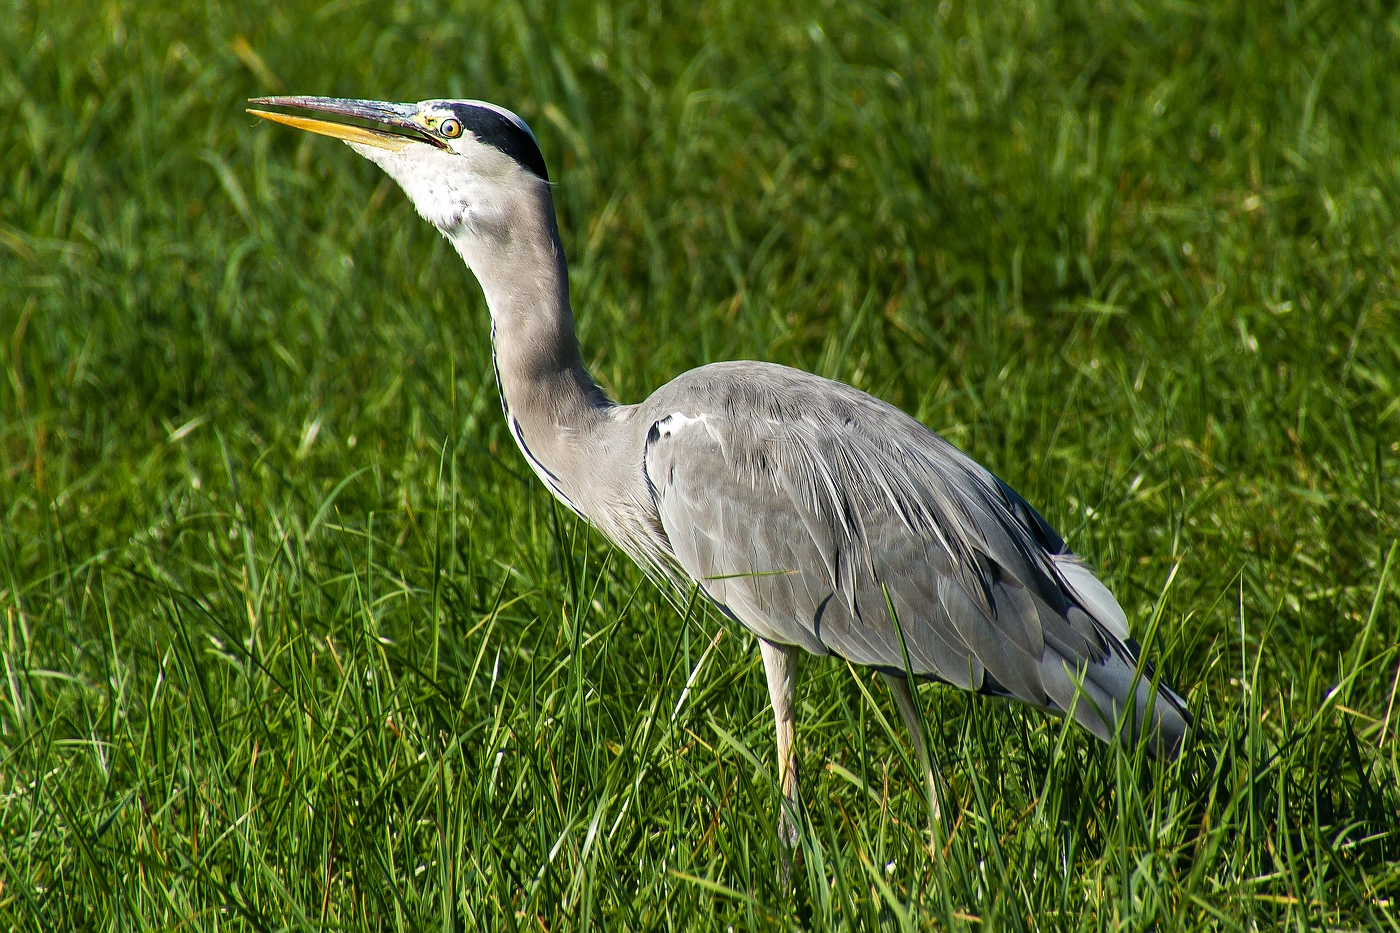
(396, 128)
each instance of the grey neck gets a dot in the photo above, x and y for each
(552, 404)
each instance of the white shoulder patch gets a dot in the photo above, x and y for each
(676, 422)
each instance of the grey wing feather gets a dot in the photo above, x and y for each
(801, 505)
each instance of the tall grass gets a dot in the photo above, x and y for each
(293, 640)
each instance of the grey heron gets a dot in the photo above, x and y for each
(816, 516)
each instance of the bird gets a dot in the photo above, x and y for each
(814, 515)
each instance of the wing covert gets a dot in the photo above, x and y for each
(799, 518)
(806, 509)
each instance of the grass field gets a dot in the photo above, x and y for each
(293, 640)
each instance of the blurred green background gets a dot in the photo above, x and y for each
(292, 639)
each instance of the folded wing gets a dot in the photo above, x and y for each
(808, 511)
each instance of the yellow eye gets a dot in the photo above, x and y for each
(450, 128)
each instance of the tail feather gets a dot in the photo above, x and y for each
(1108, 678)
(1099, 691)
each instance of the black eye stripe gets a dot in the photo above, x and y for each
(498, 130)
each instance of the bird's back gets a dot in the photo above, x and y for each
(817, 515)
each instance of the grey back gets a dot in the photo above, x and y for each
(817, 515)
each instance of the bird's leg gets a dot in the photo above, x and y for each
(780, 664)
(904, 699)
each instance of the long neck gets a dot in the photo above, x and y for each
(553, 405)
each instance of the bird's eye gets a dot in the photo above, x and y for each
(450, 128)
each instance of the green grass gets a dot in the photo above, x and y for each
(293, 640)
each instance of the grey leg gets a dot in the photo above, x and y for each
(780, 664)
(904, 699)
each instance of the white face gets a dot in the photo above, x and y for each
(464, 164)
(464, 188)
(471, 169)
(443, 185)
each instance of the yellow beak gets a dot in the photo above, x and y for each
(399, 127)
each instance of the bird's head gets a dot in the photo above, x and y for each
(465, 164)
